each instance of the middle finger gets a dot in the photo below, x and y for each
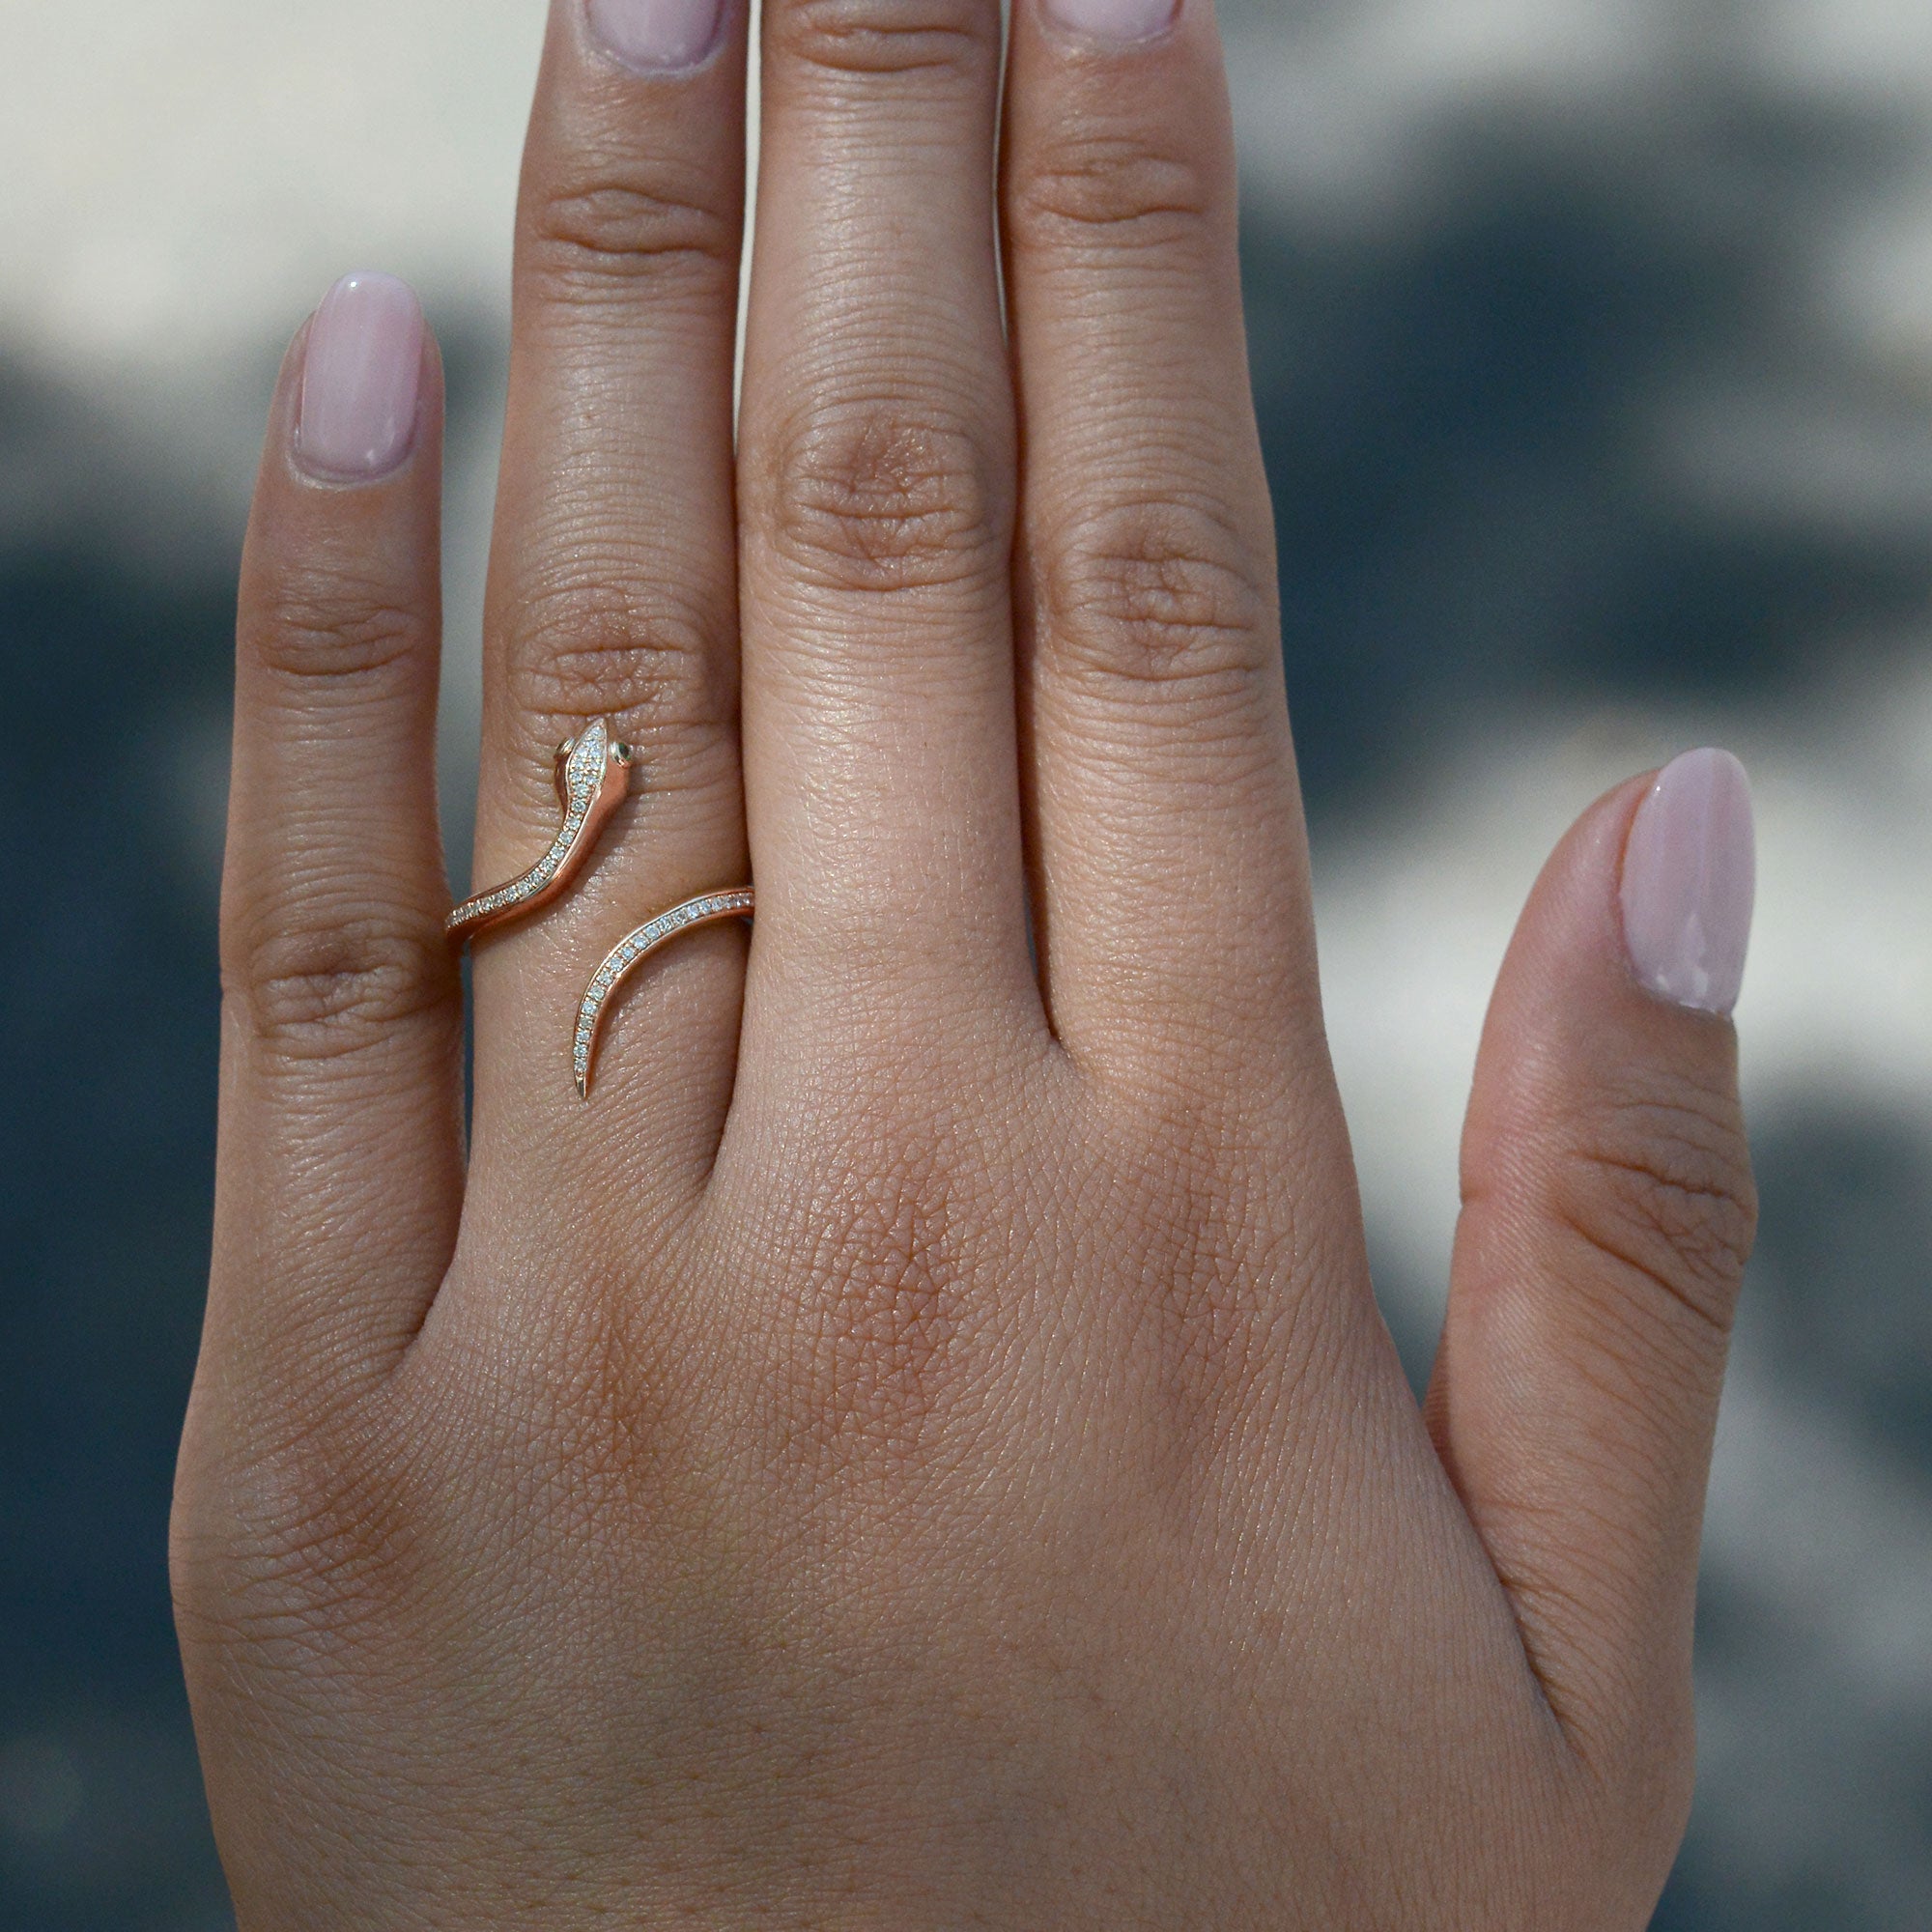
(876, 494)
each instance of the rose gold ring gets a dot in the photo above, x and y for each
(594, 774)
(630, 952)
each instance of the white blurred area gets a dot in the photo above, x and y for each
(183, 178)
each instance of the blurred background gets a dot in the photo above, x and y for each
(1593, 349)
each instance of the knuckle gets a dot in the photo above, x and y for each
(319, 990)
(886, 1273)
(1111, 193)
(881, 38)
(1154, 593)
(609, 219)
(329, 625)
(1232, 1297)
(587, 650)
(1214, 1238)
(1660, 1183)
(882, 496)
(294, 1547)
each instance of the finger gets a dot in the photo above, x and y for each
(340, 1170)
(613, 574)
(1169, 861)
(875, 467)
(1607, 1211)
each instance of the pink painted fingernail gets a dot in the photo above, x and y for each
(1117, 21)
(1690, 875)
(361, 378)
(657, 36)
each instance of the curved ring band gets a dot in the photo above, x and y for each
(594, 774)
(630, 952)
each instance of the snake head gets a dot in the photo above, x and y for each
(591, 767)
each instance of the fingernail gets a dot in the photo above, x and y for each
(1117, 21)
(1690, 875)
(656, 36)
(360, 379)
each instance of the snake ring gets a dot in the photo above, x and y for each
(594, 774)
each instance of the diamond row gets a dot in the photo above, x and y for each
(584, 770)
(627, 951)
(534, 880)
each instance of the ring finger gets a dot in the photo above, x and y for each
(612, 583)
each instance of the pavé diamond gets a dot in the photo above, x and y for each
(630, 950)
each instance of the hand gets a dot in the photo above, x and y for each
(918, 1448)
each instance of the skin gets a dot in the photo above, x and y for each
(919, 1449)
